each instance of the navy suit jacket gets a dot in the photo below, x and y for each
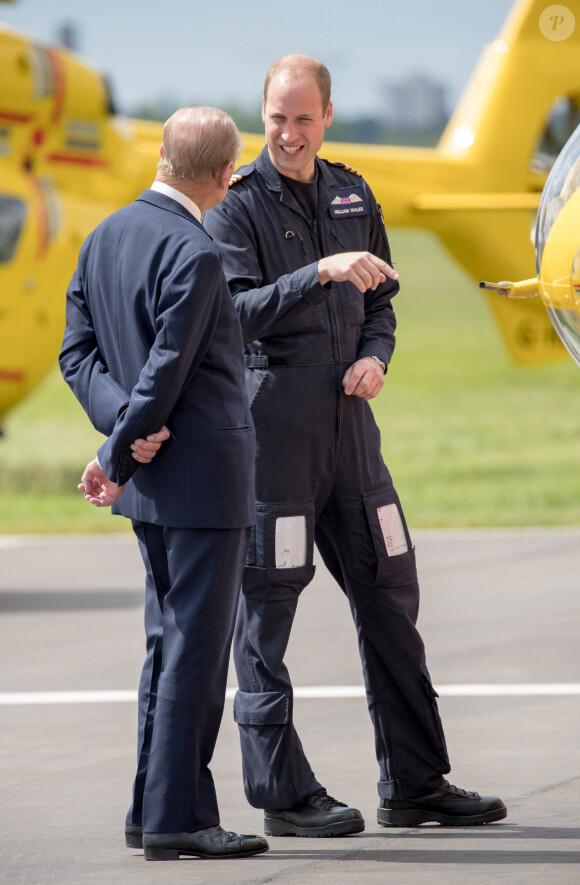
(151, 325)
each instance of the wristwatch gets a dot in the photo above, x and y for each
(380, 362)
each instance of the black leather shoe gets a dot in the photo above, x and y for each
(133, 836)
(447, 805)
(211, 843)
(317, 815)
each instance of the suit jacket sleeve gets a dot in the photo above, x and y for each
(187, 315)
(82, 365)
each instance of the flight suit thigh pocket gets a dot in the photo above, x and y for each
(390, 537)
(283, 537)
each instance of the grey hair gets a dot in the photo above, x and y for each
(198, 143)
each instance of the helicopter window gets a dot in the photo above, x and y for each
(562, 120)
(110, 98)
(43, 72)
(12, 214)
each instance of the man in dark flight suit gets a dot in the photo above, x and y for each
(152, 340)
(309, 267)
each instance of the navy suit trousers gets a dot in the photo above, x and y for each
(192, 587)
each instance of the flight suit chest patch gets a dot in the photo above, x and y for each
(349, 201)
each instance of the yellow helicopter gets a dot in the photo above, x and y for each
(479, 189)
(67, 160)
(557, 250)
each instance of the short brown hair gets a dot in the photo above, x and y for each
(198, 143)
(300, 67)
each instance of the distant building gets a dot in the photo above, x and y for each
(67, 35)
(415, 103)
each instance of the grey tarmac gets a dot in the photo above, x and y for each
(500, 617)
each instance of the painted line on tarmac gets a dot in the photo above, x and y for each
(314, 692)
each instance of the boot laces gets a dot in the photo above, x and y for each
(469, 794)
(322, 800)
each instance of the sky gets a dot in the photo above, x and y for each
(217, 51)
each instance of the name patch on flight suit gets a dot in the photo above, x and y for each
(349, 201)
(392, 529)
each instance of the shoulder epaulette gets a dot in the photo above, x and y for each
(346, 167)
(243, 172)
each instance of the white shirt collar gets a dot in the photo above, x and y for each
(178, 196)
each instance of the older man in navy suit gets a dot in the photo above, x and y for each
(153, 341)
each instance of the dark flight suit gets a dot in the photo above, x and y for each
(320, 478)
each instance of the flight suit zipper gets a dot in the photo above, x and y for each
(317, 239)
(332, 318)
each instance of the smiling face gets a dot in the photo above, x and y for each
(295, 122)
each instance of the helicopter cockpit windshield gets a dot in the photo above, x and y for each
(12, 215)
(558, 245)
